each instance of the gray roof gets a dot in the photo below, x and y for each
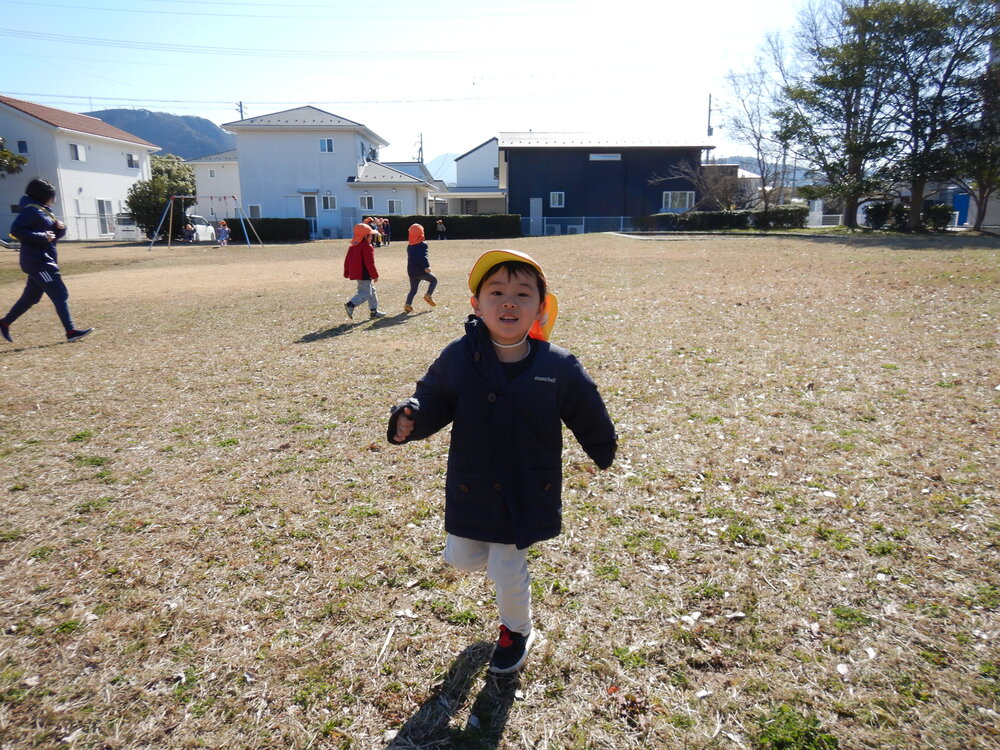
(231, 155)
(533, 139)
(306, 118)
(376, 173)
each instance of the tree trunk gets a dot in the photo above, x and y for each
(982, 201)
(914, 221)
(850, 216)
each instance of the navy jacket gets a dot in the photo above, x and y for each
(417, 260)
(505, 461)
(38, 252)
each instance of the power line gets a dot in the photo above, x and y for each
(241, 52)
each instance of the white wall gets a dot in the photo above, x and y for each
(476, 169)
(226, 182)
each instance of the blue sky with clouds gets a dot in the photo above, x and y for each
(454, 71)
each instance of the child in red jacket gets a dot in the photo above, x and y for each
(359, 266)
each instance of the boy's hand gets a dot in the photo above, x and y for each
(404, 425)
(427, 270)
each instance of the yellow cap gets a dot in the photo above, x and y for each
(550, 305)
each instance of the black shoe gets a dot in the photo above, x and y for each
(5, 330)
(349, 309)
(511, 650)
(76, 334)
(376, 314)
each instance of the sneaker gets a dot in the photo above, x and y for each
(5, 330)
(406, 309)
(349, 308)
(511, 650)
(429, 300)
(377, 314)
(76, 334)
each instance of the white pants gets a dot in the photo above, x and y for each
(366, 291)
(507, 567)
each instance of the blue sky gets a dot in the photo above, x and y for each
(454, 71)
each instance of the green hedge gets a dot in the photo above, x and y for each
(485, 227)
(778, 217)
(270, 230)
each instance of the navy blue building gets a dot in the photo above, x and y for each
(572, 175)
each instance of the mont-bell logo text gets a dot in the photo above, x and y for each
(544, 379)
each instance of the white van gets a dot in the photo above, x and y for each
(203, 231)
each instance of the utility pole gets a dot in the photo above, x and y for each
(239, 108)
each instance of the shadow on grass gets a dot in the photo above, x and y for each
(339, 330)
(431, 726)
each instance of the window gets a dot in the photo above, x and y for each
(326, 145)
(22, 147)
(77, 152)
(132, 160)
(557, 200)
(395, 207)
(676, 201)
(470, 207)
(329, 202)
(211, 173)
(105, 216)
(368, 202)
(254, 210)
(605, 157)
(496, 173)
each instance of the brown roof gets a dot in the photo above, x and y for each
(72, 121)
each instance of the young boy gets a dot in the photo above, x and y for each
(418, 268)
(38, 230)
(506, 391)
(359, 266)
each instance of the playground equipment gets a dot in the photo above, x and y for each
(241, 215)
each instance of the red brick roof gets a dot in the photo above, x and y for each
(72, 121)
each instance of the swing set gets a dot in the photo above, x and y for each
(240, 214)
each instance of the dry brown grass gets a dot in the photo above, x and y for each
(206, 542)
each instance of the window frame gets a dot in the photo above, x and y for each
(557, 199)
(367, 202)
(105, 218)
(669, 198)
(399, 206)
(329, 203)
(77, 152)
(253, 210)
(132, 161)
(22, 147)
(211, 174)
(327, 146)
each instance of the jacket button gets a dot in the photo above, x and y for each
(496, 486)
(491, 398)
(476, 356)
(463, 487)
(547, 487)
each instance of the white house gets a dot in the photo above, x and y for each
(217, 180)
(308, 163)
(92, 165)
(477, 182)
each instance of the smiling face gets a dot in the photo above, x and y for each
(508, 303)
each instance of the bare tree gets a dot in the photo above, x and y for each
(718, 186)
(750, 120)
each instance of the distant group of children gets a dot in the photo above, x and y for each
(359, 266)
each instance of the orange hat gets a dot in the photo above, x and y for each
(416, 233)
(361, 233)
(550, 305)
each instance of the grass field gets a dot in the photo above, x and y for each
(205, 540)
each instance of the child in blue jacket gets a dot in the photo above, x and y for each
(506, 392)
(418, 268)
(38, 230)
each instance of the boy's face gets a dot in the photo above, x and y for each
(508, 304)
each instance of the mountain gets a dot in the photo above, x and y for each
(182, 135)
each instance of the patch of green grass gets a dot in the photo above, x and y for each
(41, 553)
(785, 728)
(707, 591)
(607, 571)
(11, 535)
(90, 460)
(82, 437)
(227, 442)
(848, 618)
(69, 627)
(91, 505)
(882, 548)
